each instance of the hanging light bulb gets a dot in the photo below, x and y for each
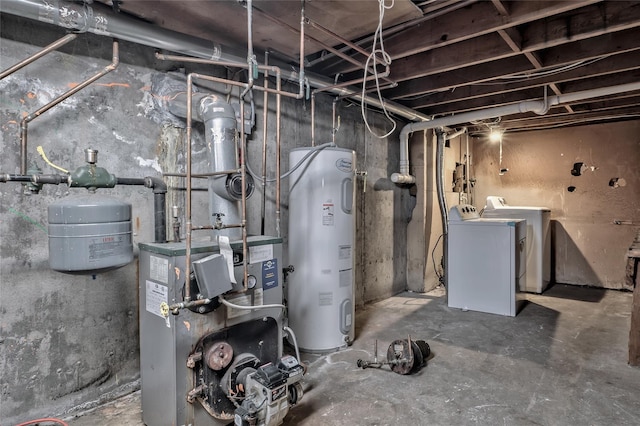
(496, 134)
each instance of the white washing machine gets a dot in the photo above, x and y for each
(538, 238)
(485, 262)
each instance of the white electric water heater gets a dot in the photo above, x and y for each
(320, 290)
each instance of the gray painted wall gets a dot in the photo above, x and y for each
(72, 341)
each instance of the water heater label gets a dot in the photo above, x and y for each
(328, 214)
(344, 252)
(157, 294)
(270, 274)
(325, 299)
(345, 278)
(159, 269)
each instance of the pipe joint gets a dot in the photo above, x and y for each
(157, 184)
(403, 179)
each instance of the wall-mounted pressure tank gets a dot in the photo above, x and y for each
(89, 234)
(321, 248)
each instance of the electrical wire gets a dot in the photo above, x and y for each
(433, 259)
(313, 151)
(47, 420)
(250, 308)
(386, 61)
(46, 160)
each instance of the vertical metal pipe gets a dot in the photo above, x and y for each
(265, 112)
(53, 46)
(313, 118)
(278, 119)
(187, 269)
(301, 66)
(243, 174)
(24, 124)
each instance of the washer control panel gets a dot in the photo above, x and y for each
(463, 212)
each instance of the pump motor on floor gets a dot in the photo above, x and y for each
(404, 356)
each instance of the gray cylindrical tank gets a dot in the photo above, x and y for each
(89, 234)
(322, 248)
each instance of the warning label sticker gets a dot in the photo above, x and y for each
(157, 295)
(328, 214)
(159, 269)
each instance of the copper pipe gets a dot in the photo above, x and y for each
(278, 147)
(341, 39)
(24, 124)
(53, 46)
(187, 270)
(276, 70)
(335, 86)
(265, 110)
(243, 174)
(202, 175)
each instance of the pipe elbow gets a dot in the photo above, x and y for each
(403, 179)
(157, 184)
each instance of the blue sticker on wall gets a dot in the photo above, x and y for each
(270, 274)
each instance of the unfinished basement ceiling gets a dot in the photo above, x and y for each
(447, 56)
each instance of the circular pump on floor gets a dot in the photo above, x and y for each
(407, 357)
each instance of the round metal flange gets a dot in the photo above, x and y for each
(218, 355)
(404, 359)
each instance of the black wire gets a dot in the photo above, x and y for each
(435, 269)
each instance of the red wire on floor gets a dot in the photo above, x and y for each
(49, 420)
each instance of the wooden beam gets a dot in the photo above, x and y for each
(476, 20)
(624, 41)
(604, 67)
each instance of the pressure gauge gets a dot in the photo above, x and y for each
(251, 281)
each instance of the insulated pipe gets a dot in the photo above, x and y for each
(101, 19)
(107, 22)
(53, 46)
(24, 124)
(442, 201)
(538, 106)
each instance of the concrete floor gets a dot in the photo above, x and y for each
(561, 361)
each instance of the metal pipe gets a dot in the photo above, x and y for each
(278, 148)
(102, 20)
(251, 59)
(53, 46)
(243, 201)
(187, 271)
(442, 200)
(313, 118)
(265, 111)
(35, 179)
(301, 75)
(24, 124)
(126, 28)
(537, 106)
(203, 175)
(159, 202)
